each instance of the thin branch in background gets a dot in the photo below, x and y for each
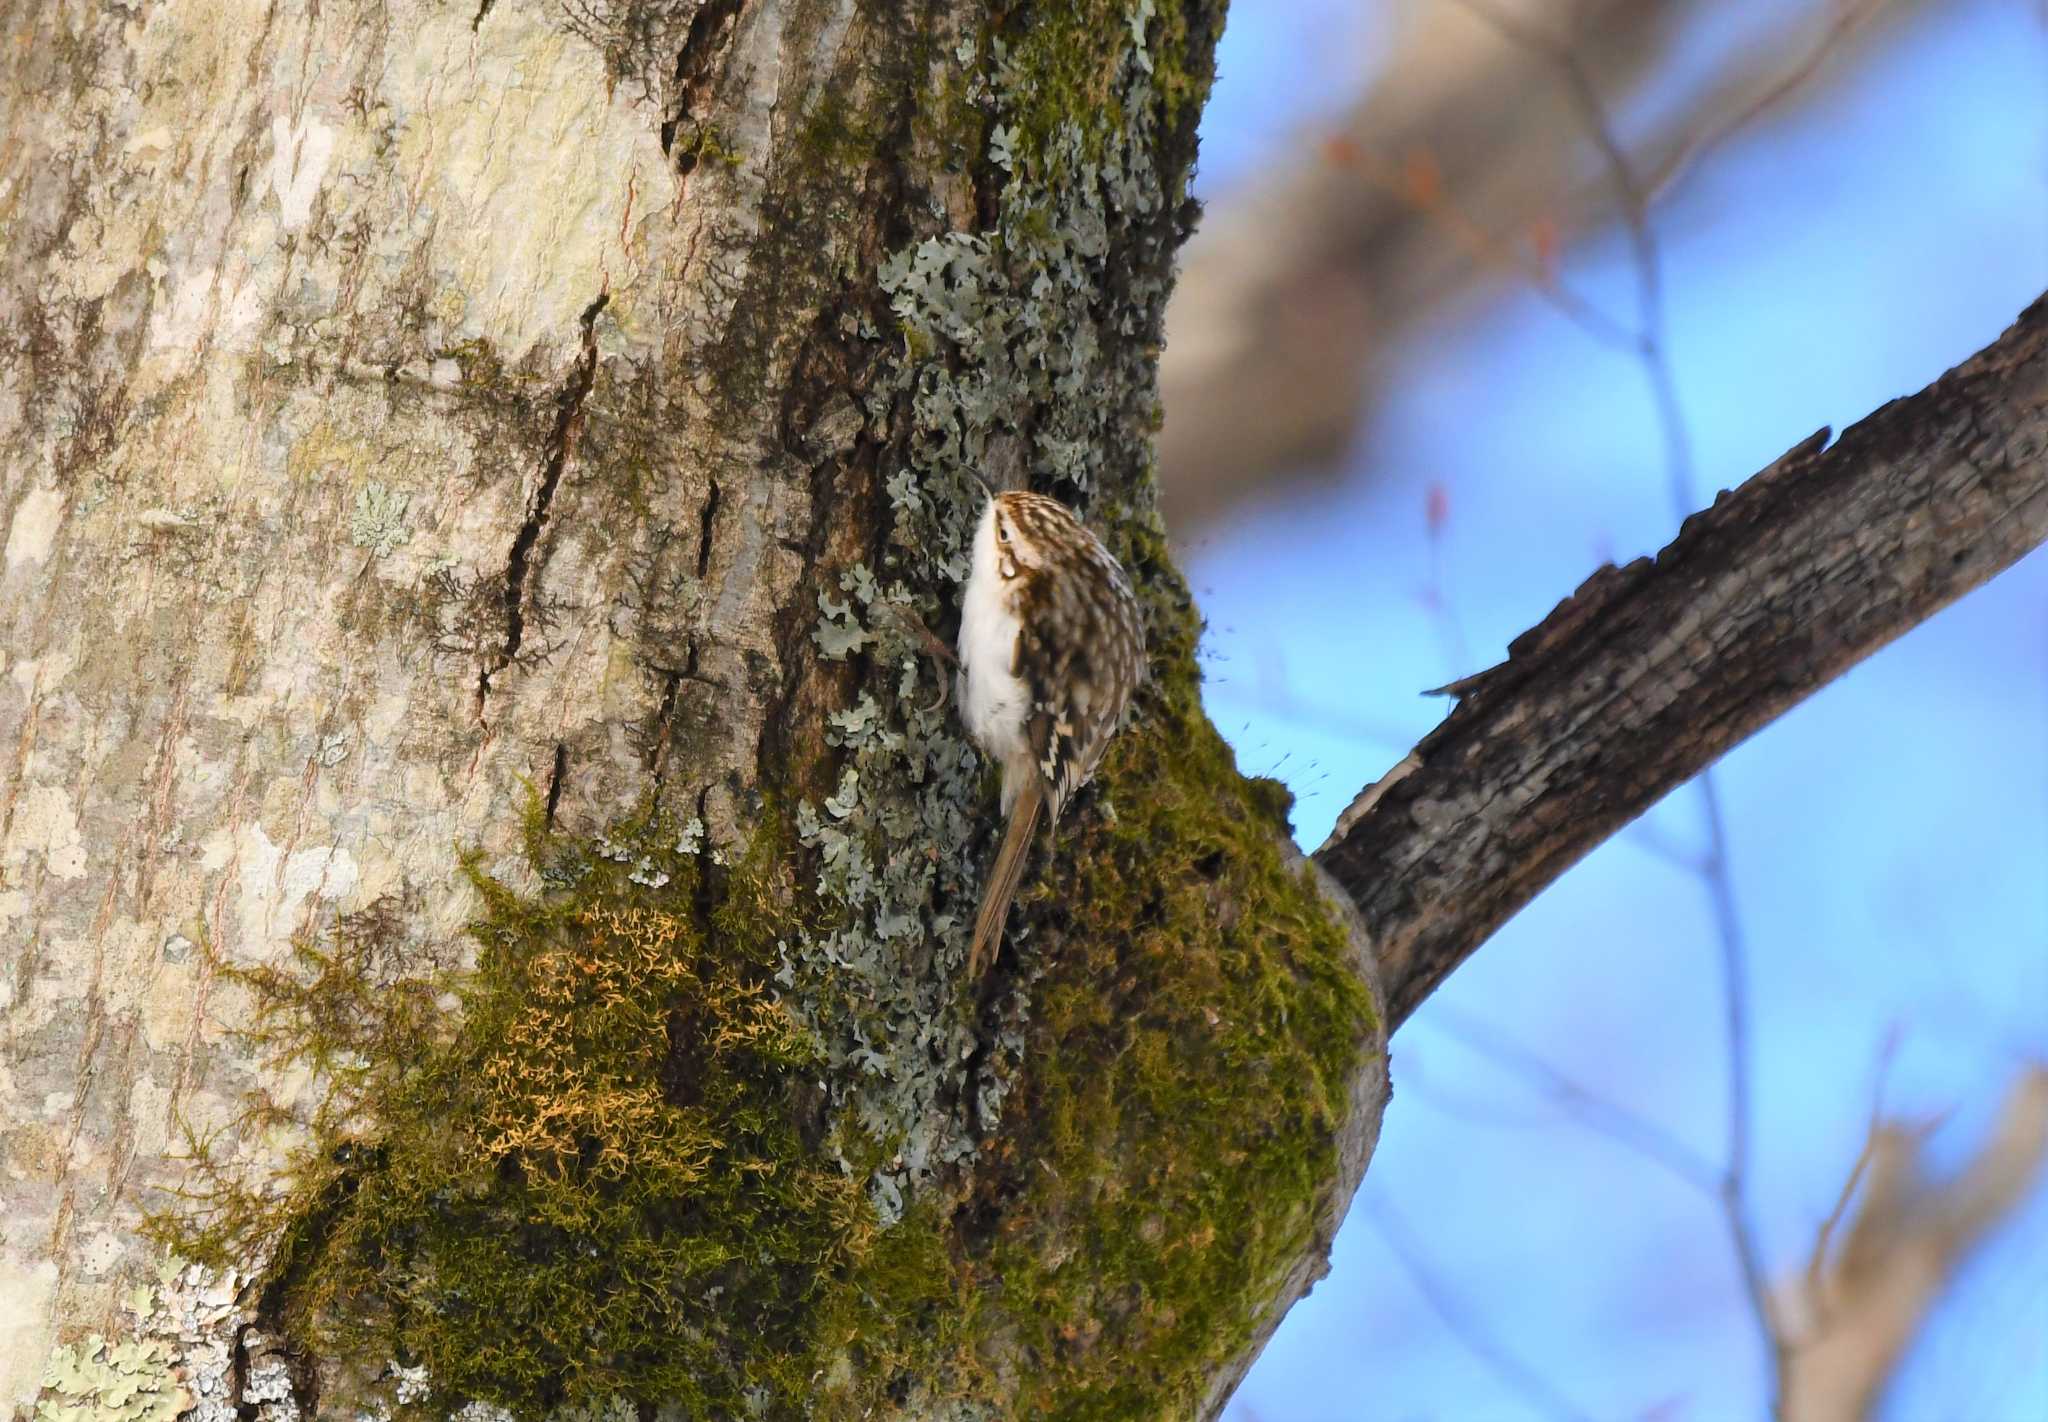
(1647, 260)
(1873, 1132)
(1676, 167)
(1417, 1084)
(1520, 1378)
(1653, 840)
(1418, 182)
(1616, 1122)
(1652, 352)
(1635, 211)
(1436, 519)
(1735, 998)
(1323, 262)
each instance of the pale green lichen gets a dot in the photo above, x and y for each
(176, 1360)
(377, 519)
(96, 1381)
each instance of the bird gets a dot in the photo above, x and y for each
(1051, 649)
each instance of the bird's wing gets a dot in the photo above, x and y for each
(1080, 653)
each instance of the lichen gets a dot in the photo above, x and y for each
(377, 519)
(893, 843)
(95, 1381)
(175, 1360)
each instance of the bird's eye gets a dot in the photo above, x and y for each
(1002, 534)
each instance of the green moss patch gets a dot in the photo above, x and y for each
(1184, 1073)
(593, 1180)
(1072, 55)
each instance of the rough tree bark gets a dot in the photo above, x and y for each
(472, 808)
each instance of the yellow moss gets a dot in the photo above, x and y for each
(596, 1182)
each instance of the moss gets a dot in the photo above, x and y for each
(1184, 59)
(1071, 56)
(1183, 1075)
(597, 1180)
(704, 145)
(478, 360)
(1073, 51)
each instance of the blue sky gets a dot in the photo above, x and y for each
(1889, 838)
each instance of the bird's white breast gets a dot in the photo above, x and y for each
(994, 701)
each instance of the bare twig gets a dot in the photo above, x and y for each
(1735, 1023)
(1654, 841)
(1632, 198)
(1619, 1124)
(1673, 169)
(1463, 1324)
(1871, 1136)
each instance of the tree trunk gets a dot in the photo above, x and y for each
(475, 821)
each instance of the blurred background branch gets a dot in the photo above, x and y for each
(1462, 161)
(1859, 1307)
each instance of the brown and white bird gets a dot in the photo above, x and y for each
(1051, 648)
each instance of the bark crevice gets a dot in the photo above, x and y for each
(696, 75)
(522, 563)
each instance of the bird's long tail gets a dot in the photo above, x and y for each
(1004, 878)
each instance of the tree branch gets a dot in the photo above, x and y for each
(1649, 672)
